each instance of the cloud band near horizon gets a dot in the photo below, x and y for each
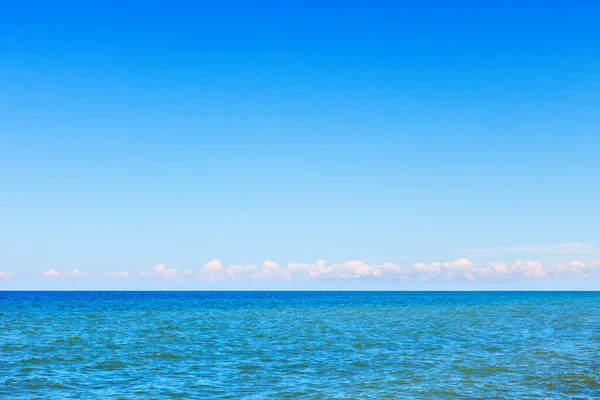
(460, 269)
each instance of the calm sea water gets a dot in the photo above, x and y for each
(318, 345)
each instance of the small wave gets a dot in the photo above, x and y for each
(248, 367)
(110, 365)
(36, 360)
(359, 364)
(170, 356)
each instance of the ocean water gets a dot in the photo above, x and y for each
(314, 345)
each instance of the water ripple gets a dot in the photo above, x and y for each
(299, 345)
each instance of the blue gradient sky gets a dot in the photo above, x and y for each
(405, 132)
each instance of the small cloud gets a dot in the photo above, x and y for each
(5, 275)
(268, 270)
(76, 273)
(304, 271)
(434, 267)
(529, 269)
(465, 269)
(168, 274)
(212, 271)
(579, 268)
(469, 276)
(498, 270)
(448, 269)
(214, 265)
(347, 270)
(392, 270)
(119, 274)
(51, 273)
(572, 266)
(460, 263)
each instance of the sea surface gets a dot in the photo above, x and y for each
(313, 345)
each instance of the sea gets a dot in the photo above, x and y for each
(300, 345)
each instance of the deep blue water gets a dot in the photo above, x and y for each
(317, 345)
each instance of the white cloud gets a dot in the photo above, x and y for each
(465, 269)
(212, 271)
(118, 274)
(449, 269)
(5, 275)
(529, 269)
(168, 274)
(392, 270)
(573, 267)
(461, 269)
(460, 263)
(269, 270)
(346, 270)
(498, 270)
(434, 267)
(308, 270)
(76, 273)
(579, 268)
(52, 273)
(214, 265)
(428, 272)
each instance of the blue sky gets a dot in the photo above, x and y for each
(153, 133)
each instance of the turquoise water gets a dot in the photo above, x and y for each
(317, 345)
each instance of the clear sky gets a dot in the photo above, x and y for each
(270, 135)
